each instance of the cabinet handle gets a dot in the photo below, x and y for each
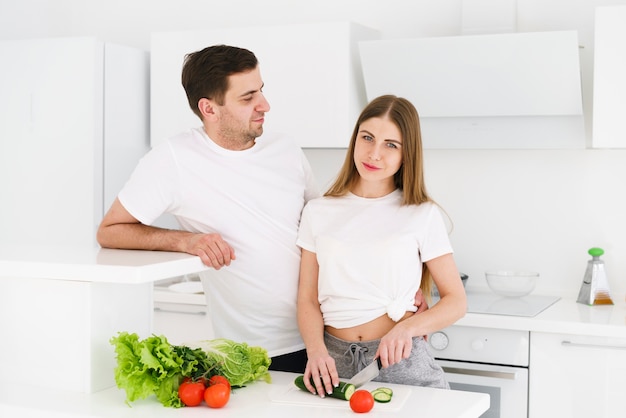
(156, 308)
(483, 373)
(587, 345)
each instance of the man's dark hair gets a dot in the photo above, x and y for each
(205, 73)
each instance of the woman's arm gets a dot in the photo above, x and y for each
(396, 344)
(320, 365)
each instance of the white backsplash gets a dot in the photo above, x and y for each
(537, 210)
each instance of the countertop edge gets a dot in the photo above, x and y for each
(566, 316)
(99, 265)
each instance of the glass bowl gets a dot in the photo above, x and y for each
(511, 284)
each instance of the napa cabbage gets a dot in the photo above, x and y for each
(237, 361)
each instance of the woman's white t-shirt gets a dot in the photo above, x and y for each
(370, 253)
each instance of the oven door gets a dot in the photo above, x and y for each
(507, 386)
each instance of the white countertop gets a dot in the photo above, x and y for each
(133, 266)
(95, 264)
(256, 400)
(566, 316)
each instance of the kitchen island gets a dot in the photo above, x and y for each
(258, 399)
(59, 306)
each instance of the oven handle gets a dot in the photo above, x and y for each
(483, 373)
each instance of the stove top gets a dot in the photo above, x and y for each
(490, 303)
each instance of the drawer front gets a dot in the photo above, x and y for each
(181, 322)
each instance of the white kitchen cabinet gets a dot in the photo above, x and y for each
(609, 79)
(74, 120)
(180, 310)
(312, 75)
(576, 376)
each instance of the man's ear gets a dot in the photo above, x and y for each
(207, 108)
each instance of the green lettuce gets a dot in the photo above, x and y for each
(153, 366)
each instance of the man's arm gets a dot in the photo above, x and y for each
(119, 229)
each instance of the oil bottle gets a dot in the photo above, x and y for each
(595, 287)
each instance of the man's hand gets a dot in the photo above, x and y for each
(421, 304)
(420, 301)
(120, 229)
(212, 250)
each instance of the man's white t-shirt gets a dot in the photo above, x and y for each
(254, 199)
(370, 254)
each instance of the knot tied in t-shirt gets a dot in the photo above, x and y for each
(396, 310)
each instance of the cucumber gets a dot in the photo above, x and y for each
(382, 395)
(385, 390)
(344, 391)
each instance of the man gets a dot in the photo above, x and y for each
(237, 197)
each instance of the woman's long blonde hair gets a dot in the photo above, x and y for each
(410, 177)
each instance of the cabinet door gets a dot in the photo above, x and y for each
(609, 82)
(577, 376)
(73, 124)
(50, 140)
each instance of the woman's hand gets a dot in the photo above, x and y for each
(321, 367)
(396, 345)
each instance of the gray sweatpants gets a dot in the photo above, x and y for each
(419, 369)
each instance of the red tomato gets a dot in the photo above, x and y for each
(191, 393)
(361, 401)
(218, 379)
(217, 395)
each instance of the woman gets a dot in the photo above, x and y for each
(367, 245)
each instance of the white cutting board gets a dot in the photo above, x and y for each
(291, 394)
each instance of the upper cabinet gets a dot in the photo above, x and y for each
(609, 80)
(515, 90)
(74, 118)
(312, 75)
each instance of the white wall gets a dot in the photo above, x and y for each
(529, 209)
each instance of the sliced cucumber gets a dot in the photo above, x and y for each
(382, 395)
(385, 390)
(344, 391)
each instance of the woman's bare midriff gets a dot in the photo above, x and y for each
(372, 330)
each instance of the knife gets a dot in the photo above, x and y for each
(367, 374)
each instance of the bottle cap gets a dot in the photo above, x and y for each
(595, 252)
